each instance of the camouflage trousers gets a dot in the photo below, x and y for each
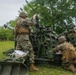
(24, 44)
(66, 64)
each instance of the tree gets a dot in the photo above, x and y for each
(6, 34)
(55, 13)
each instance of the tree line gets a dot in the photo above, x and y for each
(55, 13)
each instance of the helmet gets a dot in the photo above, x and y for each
(22, 14)
(61, 39)
(74, 29)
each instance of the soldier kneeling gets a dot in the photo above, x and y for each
(68, 54)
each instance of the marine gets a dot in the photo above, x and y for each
(68, 54)
(22, 32)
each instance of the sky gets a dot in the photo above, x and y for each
(9, 10)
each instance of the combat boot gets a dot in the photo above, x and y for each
(33, 68)
(72, 68)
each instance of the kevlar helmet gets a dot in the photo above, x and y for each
(23, 14)
(61, 39)
(74, 29)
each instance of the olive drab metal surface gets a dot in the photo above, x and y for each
(44, 39)
(13, 65)
(13, 68)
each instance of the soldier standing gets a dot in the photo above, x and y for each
(22, 37)
(68, 54)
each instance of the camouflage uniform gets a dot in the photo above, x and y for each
(68, 53)
(22, 36)
(23, 43)
(73, 32)
(22, 32)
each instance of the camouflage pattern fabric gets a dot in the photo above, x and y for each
(73, 33)
(22, 37)
(23, 43)
(68, 53)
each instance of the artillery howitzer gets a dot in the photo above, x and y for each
(44, 39)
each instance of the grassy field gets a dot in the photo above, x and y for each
(4, 46)
(44, 69)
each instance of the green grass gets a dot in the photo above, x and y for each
(4, 46)
(53, 70)
(44, 69)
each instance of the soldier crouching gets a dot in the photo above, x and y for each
(68, 54)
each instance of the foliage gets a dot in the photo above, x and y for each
(4, 46)
(56, 13)
(2, 34)
(12, 23)
(6, 34)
